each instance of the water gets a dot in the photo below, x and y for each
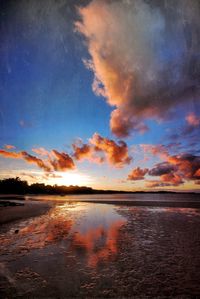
(93, 250)
(180, 197)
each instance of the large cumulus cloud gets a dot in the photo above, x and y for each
(144, 55)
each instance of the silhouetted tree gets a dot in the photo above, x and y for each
(13, 185)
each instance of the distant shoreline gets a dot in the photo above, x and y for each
(19, 187)
(96, 192)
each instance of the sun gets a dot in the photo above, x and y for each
(70, 178)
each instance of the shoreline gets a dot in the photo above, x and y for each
(20, 211)
(17, 207)
(149, 203)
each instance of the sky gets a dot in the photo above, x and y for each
(103, 93)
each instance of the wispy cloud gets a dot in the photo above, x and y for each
(54, 160)
(9, 146)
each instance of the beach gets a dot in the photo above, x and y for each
(16, 209)
(74, 248)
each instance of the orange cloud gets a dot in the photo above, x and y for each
(172, 178)
(188, 165)
(62, 161)
(193, 120)
(34, 160)
(9, 146)
(12, 155)
(84, 151)
(56, 161)
(116, 154)
(197, 173)
(99, 148)
(137, 174)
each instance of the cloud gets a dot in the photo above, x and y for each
(137, 174)
(9, 146)
(55, 161)
(144, 56)
(187, 135)
(62, 161)
(40, 151)
(34, 160)
(173, 179)
(188, 165)
(100, 149)
(116, 154)
(82, 151)
(13, 155)
(193, 120)
(155, 183)
(53, 176)
(162, 169)
(157, 150)
(176, 170)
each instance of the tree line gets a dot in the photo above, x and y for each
(18, 186)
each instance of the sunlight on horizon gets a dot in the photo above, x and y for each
(70, 178)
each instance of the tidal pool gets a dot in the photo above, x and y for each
(95, 250)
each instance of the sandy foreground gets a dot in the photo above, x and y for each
(91, 250)
(23, 209)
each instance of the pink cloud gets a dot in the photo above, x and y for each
(137, 174)
(40, 151)
(173, 179)
(193, 120)
(123, 40)
(176, 170)
(9, 146)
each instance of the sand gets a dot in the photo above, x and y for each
(22, 210)
(91, 250)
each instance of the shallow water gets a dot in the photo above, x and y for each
(99, 250)
(180, 197)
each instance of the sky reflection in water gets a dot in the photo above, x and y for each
(89, 231)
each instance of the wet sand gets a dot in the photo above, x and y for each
(91, 250)
(18, 210)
